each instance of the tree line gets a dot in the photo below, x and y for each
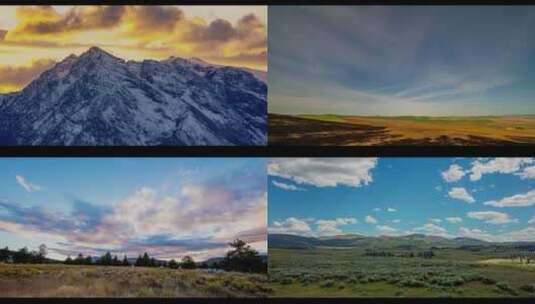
(427, 254)
(241, 258)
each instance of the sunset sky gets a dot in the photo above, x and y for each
(32, 38)
(168, 207)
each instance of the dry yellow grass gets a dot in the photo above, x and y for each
(509, 262)
(102, 281)
(403, 130)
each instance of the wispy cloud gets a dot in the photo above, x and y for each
(285, 186)
(491, 217)
(400, 61)
(24, 183)
(519, 200)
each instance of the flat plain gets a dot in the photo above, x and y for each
(397, 268)
(56, 280)
(401, 130)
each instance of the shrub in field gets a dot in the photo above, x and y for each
(286, 281)
(327, 284)
(505, 287)
(528, 287)
(411, 282)
(488, 281)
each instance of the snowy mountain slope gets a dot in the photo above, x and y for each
(99, 99)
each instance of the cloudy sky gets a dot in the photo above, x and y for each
(485, 198)
(166, 207)
(32, 38)
(402, 60)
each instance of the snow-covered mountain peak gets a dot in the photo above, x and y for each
(99, 99)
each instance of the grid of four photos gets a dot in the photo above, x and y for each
(367, 90)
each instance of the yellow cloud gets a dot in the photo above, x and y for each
(130, 32)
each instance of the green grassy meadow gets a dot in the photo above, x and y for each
(346, 272)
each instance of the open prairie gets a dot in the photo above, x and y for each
(32, 280)
(348, 272)
(400, 130)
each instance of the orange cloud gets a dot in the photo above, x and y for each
(137, 32)
(15, 78)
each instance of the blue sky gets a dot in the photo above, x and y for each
(402, 60)
(489, 199)
(168, 207)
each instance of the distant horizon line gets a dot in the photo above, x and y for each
(396, 236)
(396, 116)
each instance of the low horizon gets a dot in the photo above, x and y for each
(395, 116)
(398, 236)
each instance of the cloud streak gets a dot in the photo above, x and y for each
(24, 183)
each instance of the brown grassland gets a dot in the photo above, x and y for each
(401, 130)
(55, 280)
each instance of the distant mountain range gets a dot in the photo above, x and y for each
(406, 242)
(99, 99)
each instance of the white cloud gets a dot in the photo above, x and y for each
(396, 221)
(432, 229)
(324, 172)
(527, 173)
(301, 226)
(370, 219)
(287, 187)
(491, 217)
(453, 174)
(377, 209)
(454, 220)
(505, 165)
(330, 227)
(291, 225)
(391, 210)
(384, 229)
(435, 220)
(461, 194)
(438, 188)
(525, 234)
(532, 221)
(519, 200)
(24, 183)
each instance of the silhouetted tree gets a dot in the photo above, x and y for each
(4, 254)
(173, 264)
(188, 263)
(22, 256)
(243, 258)
(106, 259)
(68, 261)
(125, 261)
